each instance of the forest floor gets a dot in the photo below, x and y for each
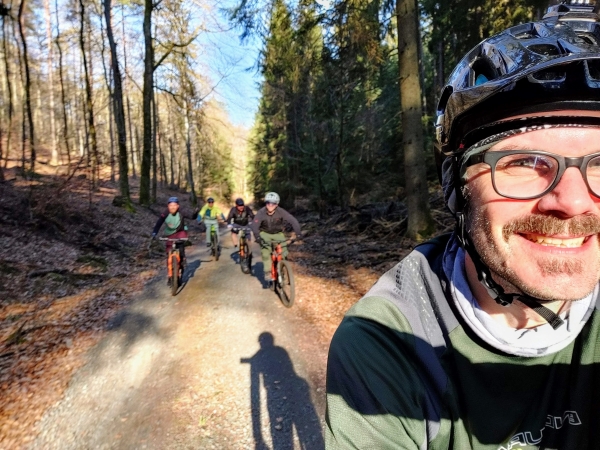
(89, 333)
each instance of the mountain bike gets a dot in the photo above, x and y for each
(174, 263)
(245, 252)
(281, 272)
(215, 246)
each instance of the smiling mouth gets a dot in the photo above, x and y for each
(556, 242)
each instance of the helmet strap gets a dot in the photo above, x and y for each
(484, 274)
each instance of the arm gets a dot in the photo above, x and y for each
(255, 224)
(159, 222)
(202, 212)
(230, 215)
(291, 220)
(375, 394)
(250, 214)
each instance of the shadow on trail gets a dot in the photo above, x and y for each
(258, 270)
(235, 257)
(288, 400)
(133, 326)
(190, 270)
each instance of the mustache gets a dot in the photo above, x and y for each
(550, 225)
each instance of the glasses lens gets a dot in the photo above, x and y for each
(593, 175)
(525, 175)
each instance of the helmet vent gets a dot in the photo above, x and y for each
(592, 73)
(589, 39)
(544, 49)
(548, 76)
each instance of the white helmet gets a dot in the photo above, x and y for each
(272, 197)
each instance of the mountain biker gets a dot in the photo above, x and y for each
(175, 227)
(240, 215)
(489, 338)
(268, 225)
(210, 214)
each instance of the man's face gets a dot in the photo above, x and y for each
(240, 208)
(546, 247)
(211, 204)
(173, 207)
(271, 207)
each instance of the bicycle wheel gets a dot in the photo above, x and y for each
(287, 290)
(175, 274)
(214, 245)
(245, 260)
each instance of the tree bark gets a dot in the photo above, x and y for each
(9, 93)
(62, 89)
(147, 94)
(154, 145)
(93, 143)
(27, 86)
(53, 147)
(117, 103)
(420, 222)
(188, 147)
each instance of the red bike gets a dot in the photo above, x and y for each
(175, 263)
(282, 274)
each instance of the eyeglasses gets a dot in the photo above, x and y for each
(270, 203)
(525, 175)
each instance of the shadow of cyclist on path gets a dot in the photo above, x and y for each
(258, 270)
(288, 400)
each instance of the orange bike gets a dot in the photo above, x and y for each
(175, 263)
(281, 272)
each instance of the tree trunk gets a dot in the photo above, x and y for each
(53, 147)
(147, 95)
(27, 85)
(117, 103)
(188, 148)
(420, 222)
(154, 145)
(93, 144)
(62, 89)
(9, 93)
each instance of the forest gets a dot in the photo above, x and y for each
(347, 95)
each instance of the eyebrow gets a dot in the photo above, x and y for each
(520, 148)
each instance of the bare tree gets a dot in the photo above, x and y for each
(53, 147)
(27, 86)
(117, 103)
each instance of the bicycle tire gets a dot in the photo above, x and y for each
(273, 283)
(287, 291)
(175, 275)
(214, 245)
(245, 260)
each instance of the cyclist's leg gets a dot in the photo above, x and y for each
(235, 238)
(265, 251)
(281, 237)
(209, 225)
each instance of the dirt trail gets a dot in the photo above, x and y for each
(189, 372)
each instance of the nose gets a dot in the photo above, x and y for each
(571, 197)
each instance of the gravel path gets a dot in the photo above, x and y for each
(223, 365)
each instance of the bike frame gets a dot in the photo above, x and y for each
(174, 251)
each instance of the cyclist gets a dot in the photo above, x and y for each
(489, 338)
(240, 215)
(175, 227)
(268, 225)
(210, 214)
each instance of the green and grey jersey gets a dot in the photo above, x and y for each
(406, 371)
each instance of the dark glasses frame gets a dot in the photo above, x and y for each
(564, 162)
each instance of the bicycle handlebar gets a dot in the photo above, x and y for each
(174, 240)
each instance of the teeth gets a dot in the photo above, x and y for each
(553, 242)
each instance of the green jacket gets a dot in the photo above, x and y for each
(405, 372)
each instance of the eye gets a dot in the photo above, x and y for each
(526, 162)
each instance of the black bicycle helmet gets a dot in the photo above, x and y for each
(529, 69)
(239, 202)
(210, 200)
